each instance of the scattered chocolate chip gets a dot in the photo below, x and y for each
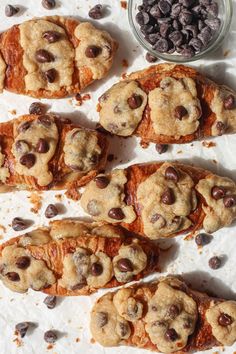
(36, 108)
(18, 224)
(218, 192)
(180, 112)
(225, 320)
(50, 301)
(96, 269)
(150, 58)
(229, 201)
(168, 197)
(96, 12)
(161, 148)
(214, 262)
(220, 126)
(13, 276)
(101, 181)
(102, 318)
(22, 328)
(125, 265)
(28, 160)
(202, 239)
(43, 56)
(173, 311)
(42, 146)
(135, 101)
(11, 10)
(52, 36)
(93, 207)
(51, 211)
(229, 102)
(45, 120)
(23, 127)
(116, 213)
(50, 75)
(23, 262)
(171, 174)
(171, 335)
(50, 336)
(93, 51)
(49, 4)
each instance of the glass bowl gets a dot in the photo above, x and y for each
(225, 15)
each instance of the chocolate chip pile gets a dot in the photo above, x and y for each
(182, 26)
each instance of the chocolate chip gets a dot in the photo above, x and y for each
(176, 38)
(155, 218)
(13, 276)
(225, 320)
(28, 160)
(164, 29)
(52, 36)
(124, 328)
(116, 213)
(45, 120)
(93, 207)
(229, 201)
(193, 29)
(217, 192)
(96, 269)
(185, 17)
(171, 335)
(214, 262)
(205, 35)
(175, 11)
(43, 56)
(93, 51)
(125, 265)
(50, 75)
(164, 6)
(101, 181)
(23, 127)
(180, 112)
(229, 102)
(22, 328)
(173, 311)
(155, 11)
(96, 12)
(213, 9)
(220, 126)
(171, 174)
(176, 25)
(153, 38)
(18, 224)
(135, 101)
(187, 52)
(168, 197)
(36, 108)
(142, 18)
(161, 148)
(161, 45)
(51, 211)
(23, 262)
(214, 24)
(49, 4)
(11, 10)
(50, 336)
(196, 43)
(150, 58)
(202, 239)
(50, 301)
(102, 318)
(42, 146)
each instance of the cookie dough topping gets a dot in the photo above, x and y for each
(171, 318)
(2, 72)
(122, 108)
(223, 105)
(219, 194)
(108, 204)
(131, 260)
(166, 199)
(107, 327)
(48, 55)
(19, 271)
(175, 108)
(35, 145)
(81, 150)
(127, 306)
(94, 50)
(4, 171)
(222, 318)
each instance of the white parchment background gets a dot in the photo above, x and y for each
(71, 316)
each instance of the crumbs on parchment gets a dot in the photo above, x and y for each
(208, 144)
(73, 194)
(123, 4)
(227, 53)
(36, 200)
(80, 99)
(77, 340)
(92, 341)
(125, 63)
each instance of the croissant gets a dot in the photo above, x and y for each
(53, 57)
(162, 199)
(75, 258)
(168, 104)
(45, 152)
(164, 316)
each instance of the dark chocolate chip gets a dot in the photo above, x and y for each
(42, 146)
(229, 201)
(125, 265)
(205, 2)
(153, 38)
(201, 25)
(168, 197)
(93, 51)
(22, 328)
(193, 29)
(214, 262)
(164, 29)
(221, 127)
(93, 207)
(187, 3)
(43, 56)
(50, 75)
(101, 181)
(188, 52)
(180, 112)
(50, 336)
(229, 102)
(214, 24)
(36, 108)
(45, 120)
(11, 10)
(176, 38)
(213, 9)
(135, 101)
(196, 43)
(116, 213)
(23, 127)
(161, 148)
(142, 18)
(23, 262)
(175, 11)
(147, 29)
(176, 25)
(51, 211)
(171, 335)
(102, 318)
(164, 6)
(28, 160)
(155, 11)
(96, 12)
(18, 224)
(202, 239)
(205, 35)
(172, 174)
(161, 45)
(50, 301)
(225, 320)
(52, 36)
(150, 58)
(49, 4)
(173, 311)
(185, 17)
(13, 276)
(96, 269)
(218, 192)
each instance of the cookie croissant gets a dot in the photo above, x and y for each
(164, 316)
(168, 104)
(162, 199)
(75, 258)
(53, 57)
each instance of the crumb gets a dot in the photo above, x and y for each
(144, 144)
(80, 99)
(125, 63)
(123, 4)
(226, 53)
(36, 200)
(98, 108)
(2, 228)
(214, 161)
(18, 342)
(208, 144)
(92, 341)
(13, 112)
(59, 197)
(179, 152)
(86, 97)
(1, 237)
(69, 321)
(110, 157)
(70, 101)
(124, 76)
(192, 144)
(73, 194)
(77, 340)
(50, 346)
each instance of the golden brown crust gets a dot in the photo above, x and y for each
(63, 176)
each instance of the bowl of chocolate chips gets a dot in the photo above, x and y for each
(180, 30)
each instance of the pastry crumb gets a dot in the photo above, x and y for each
(98, 108)
(214, 161)
(226, 53)
(18, 342)
(144, 144)
(2, 228)
(13, 112)
(123, 4)
(125, 63)
(59, 197)
(92, 341)
(208, 144)
(50, 346)
(73, 194)
(77, 340)
(179, 152)
(80, 99)
(110, 157)
(36, 200)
